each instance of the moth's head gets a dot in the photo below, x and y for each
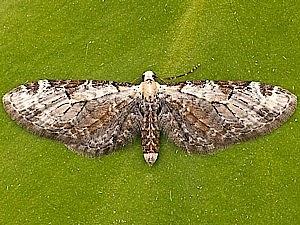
(149, 75)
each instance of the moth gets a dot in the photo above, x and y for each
(95, 117)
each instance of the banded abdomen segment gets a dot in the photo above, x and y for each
(150, 131)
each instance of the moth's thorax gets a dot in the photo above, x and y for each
(149, 89)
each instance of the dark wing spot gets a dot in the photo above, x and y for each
(33, 87)
(74, 83)
(266, 89)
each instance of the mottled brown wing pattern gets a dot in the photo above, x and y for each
(96, 117)
(90, 117)
(204, 116)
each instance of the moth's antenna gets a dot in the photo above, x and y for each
(135, 81)
(182, 75)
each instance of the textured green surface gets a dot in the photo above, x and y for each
(257, 182)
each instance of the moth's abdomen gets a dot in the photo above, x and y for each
(150, 131)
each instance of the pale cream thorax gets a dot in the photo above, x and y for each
(149, 87)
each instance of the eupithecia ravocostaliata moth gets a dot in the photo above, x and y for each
(97, 117)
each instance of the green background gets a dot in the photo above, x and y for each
(257, 182)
